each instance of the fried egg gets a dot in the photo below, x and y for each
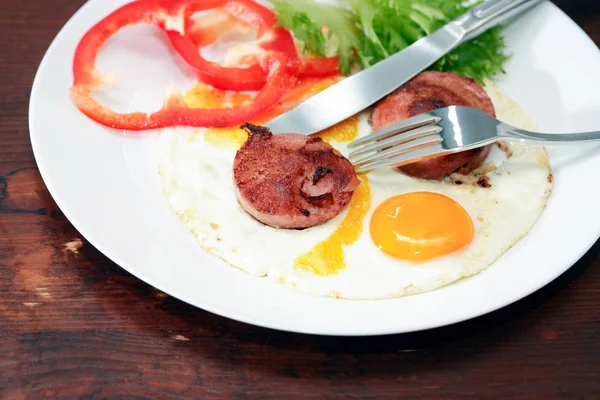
(398, 236)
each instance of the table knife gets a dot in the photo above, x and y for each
(364, 88)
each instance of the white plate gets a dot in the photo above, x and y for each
(108, 187)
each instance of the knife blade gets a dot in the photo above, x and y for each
(361, 90)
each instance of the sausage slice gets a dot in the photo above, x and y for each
(426, 92)
(291, 180)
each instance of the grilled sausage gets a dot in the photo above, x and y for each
(426, 92)
(291, 180)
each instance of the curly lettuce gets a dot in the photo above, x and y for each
(365, 32)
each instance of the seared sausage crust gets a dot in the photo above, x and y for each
(291, 180)
(429, 91)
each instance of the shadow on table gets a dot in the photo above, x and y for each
(501, 340)
(194, 323)
(423, 339)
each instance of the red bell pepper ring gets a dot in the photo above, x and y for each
(252, 77)
(226, 78)
(236, 78)
(206, 30)
(319, 67)
(168, 15)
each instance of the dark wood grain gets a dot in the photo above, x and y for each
(75, 325)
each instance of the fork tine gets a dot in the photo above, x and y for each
(406, 125)
(396, 140)
(401, 159)
(399, 149)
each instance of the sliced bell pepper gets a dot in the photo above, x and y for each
(276, 39)
(205, 30)
(319, 67)
(167, 14)
(251, 77)
(226, 78)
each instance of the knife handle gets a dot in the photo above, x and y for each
(490, 14)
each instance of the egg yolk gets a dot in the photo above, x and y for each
(327, 257)
(303, 90)
(344, 131)
(204, 96)
(420, 226)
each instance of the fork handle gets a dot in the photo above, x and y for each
(514, 134)
(490, 14)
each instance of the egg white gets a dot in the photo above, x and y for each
(198, 183)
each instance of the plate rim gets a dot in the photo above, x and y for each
(43, 169)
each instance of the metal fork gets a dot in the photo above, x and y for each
(441, 132)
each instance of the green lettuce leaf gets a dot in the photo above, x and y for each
(367, 31)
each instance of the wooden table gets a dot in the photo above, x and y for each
(75, 325)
